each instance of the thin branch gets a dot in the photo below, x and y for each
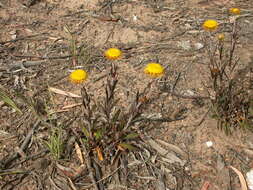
(21, 38)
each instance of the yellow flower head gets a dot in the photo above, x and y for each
(210, 25)
(235, 11)
(154, 70)
(78, 76)
(113, 53)
(221, 37)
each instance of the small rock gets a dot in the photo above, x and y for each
(209, 144)
(249, 178)
(188, 93)
(135, 18)
(186, 45)
(198, 46)
(14, 36)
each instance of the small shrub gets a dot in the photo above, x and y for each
(231, 96)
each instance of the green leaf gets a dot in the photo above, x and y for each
(55, 143)
(85, 132)
(98, 134)
(131, 136)
(127, 146)
(7, 100)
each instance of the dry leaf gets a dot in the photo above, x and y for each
(172, 147)
(62, 92)
(71, 172)
(120, 148)
(241, 177)
(167, 155)
(99, 152)
(205, 186)
(66, 171)
(79, 152)
(222, 2)
(71, 106)
(248, 151)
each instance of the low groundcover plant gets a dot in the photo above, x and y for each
(231, 97)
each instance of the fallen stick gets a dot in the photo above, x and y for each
(21, 38)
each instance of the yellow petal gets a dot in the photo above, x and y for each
(210, 25)
(154, 70)
(78, 76)
(113, 53)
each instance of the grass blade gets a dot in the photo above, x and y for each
(4, 97)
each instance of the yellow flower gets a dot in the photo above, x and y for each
(78, 76)
(235, 11)
(221, 37)
(113, 53)
(210, 25)
(154, 70)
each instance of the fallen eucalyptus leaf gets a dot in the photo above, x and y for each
(241, 178)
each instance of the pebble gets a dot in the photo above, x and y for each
(249, 178)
